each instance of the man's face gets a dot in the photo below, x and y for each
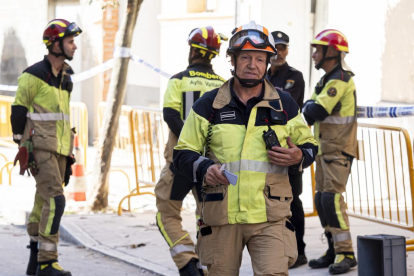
(282, 52)
(69, 46)
(318, 54)
(251, 64)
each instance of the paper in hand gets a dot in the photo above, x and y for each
(231, 177)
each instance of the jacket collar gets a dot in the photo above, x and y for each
(66, 69)
(223, 96)
(199, 64)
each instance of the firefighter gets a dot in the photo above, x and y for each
(232, 134)
(41, 127)
(290, 80)
(182, 91)
(332, 111)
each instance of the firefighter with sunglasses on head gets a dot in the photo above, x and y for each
(239, 140)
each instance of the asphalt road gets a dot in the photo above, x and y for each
(81, 262)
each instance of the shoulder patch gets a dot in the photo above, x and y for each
(289, 84)
(332, 92)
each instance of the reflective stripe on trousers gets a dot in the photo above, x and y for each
(47, 246)
(180, 249)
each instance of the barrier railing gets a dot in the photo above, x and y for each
(380, 187)
(149, 135)
(123, 144)
(381, 184)
(79, 120)
(6, 134)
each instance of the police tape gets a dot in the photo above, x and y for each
(362, 111)
(99, 69)
(139, 60)
(384, 111)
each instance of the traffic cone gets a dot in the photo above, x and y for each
(76, 189)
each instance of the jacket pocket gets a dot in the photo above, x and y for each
(289, 240)
(215, 205)
(278, 196)
(44, 136)
(206, 243)
(329, 139)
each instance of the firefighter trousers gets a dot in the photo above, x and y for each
(49, 204)
(271, 245)
(332, 172)
(170, 192)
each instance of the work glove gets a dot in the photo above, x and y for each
(27, 159)
(70, 160)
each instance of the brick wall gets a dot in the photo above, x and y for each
(110, 27)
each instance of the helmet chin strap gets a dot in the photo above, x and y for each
(322, 61)
(249, 83)
(63, 53)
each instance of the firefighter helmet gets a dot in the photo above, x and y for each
(333, 38)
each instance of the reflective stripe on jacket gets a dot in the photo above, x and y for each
(262, 192)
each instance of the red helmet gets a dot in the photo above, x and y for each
(59, 28)
(205, 39)
(333, 38)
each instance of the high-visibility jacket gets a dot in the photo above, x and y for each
(41, 108)
(262, 192)
(182, 91)
(337, 133)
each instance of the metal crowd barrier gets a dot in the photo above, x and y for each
(149, 136)
(380, 187)
(79, 120)
(123, 144)
(6, 134)
(381, 184)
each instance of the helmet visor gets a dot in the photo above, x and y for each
(256, 38)
(72, 29)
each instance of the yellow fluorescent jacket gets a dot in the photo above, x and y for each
(48, 112)
(337, 133)
(243, 149)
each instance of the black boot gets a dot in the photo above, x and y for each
(32, 266)
(191, 269)
(328, 258)
(51, 269)
(343, 263)
(300, 261)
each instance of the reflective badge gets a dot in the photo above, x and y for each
(332, 92)
(289, 84)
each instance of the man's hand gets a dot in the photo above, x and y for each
(214, 176)
(285, 157)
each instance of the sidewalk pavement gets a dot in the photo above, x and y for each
(135, 239)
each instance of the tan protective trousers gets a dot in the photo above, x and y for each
(331, 176)
(271, 245)
(170, 192)
(49, 204)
